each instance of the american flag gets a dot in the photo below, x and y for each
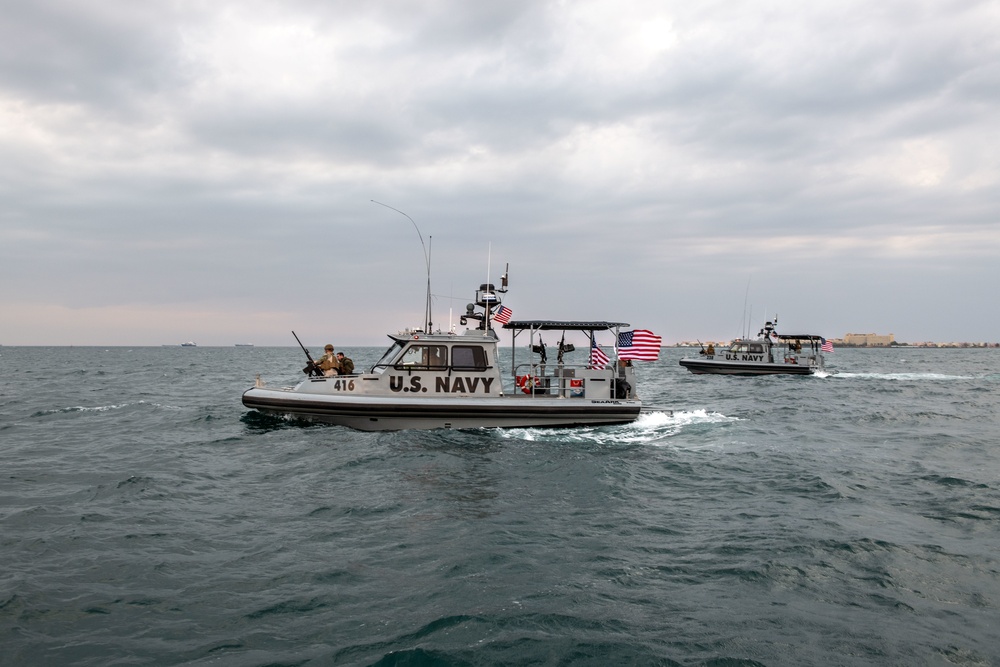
(502, 315)
(640, 344)
(827, 346)
(597, 357)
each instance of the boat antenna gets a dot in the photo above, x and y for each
(745, 323)
(427, 262)
(489, 267)
(430, 252)
(451, 325)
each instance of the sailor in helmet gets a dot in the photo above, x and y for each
(328, 362)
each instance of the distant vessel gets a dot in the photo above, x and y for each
(447, 380)
(244, 344)
(770, 353)
(189, 344)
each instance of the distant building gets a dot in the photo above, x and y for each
(869, 340)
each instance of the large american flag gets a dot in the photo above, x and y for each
(597, 357)
(827, 346)
(640, 344)
(502, 315)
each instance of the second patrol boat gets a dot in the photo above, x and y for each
(428, 380)
(770, 353)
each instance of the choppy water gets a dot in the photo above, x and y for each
(146, 518)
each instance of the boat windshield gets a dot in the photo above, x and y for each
(387, 358)
(747, 348)
(424, 357)
(468, 358)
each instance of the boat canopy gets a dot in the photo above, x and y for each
(555, 325)
(800, 337)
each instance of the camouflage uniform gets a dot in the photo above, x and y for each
(346, 364)
(328, 363)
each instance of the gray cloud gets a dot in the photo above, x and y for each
(212, 167)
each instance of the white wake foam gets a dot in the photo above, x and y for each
(649, 427)
(906, 377)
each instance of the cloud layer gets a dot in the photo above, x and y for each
(177, 171)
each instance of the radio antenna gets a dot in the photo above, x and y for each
(746, 323)
(427, 262)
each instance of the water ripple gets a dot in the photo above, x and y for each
(146, 517)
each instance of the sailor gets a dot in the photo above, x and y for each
(346, 364)
(328, 362)
(711, 350)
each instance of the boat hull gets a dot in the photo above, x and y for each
(391, 414)
(722, 367)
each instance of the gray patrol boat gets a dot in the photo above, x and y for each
(453, 380)
(770, 353)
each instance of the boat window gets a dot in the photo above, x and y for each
(424, 357)
(756, 348)
(387, 358)
(738, 347)
(468, 358)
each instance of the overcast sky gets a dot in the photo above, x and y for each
(205, 171)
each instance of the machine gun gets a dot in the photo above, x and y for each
(311, 368)
(564, 347)
(539, 349)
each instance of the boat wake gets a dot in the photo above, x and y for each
(904, 377)
(655, 426)
(650, 427)
(91, 409)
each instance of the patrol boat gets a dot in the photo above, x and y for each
(428, 380)
(770, 353)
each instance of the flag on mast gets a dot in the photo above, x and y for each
(640, 344)
(502, 315)
(598, 359)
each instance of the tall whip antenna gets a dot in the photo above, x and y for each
(489, 261)
(745, 325)
(427, 262)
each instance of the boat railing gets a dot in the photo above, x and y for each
(792, 351)
(570, 381)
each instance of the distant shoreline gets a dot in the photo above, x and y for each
(908, 346)
(682, 345)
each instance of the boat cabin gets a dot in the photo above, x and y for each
(439, 364)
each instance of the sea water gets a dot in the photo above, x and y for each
(148, 518)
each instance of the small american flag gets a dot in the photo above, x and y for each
(597, 357)
(502, 315)
(640, 344)
(827, 346)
